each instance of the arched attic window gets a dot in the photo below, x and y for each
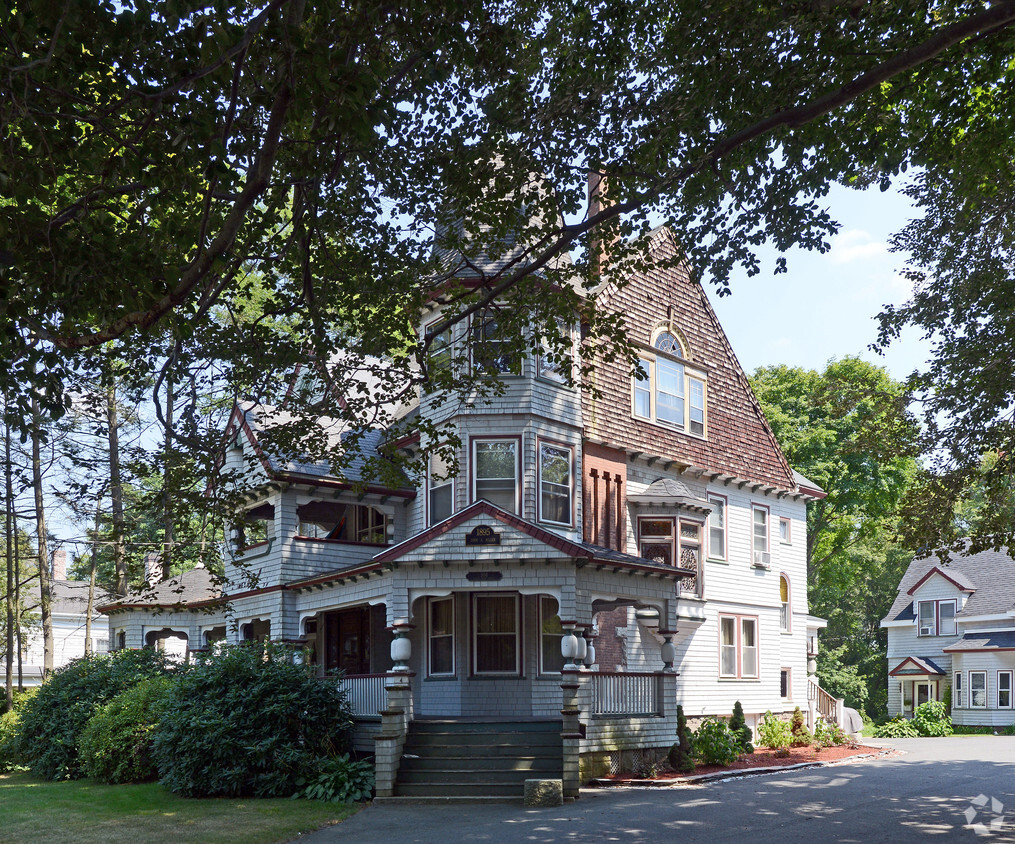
(671, 393)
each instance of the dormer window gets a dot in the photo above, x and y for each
(670, 392)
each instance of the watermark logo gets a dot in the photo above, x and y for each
(983, 820)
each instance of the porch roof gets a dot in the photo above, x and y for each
(582, 553)
(192, 589)
(916, 666)
(671, 492)
(1001, 641)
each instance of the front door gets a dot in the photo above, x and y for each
(924, 692)
(347, 640)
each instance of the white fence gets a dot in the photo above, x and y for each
(365, 693)
(625, 693)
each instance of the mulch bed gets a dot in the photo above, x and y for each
(761, 758)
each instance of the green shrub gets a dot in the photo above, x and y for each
(800, 736)
(739, 728)
(829, 734)
(898, 727)
(681, 755)
(774, 732)
(116, 744)
(715, 744)
(246, 721)
(53, 720)
(932, 719)
(10, 758)
(338, 780)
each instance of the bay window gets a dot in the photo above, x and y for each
(495, 472)
(978, 689)
(492, 352)
(555, 484)
(1004, 700)
(656, 540)
(440, 488)
(957, 691)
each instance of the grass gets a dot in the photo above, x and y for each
(87, 812)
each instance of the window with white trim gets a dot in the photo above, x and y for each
(491, 350)
(551, 660)
(738, 647)
(717, 528)
(440, 352)
(440, 488)
(785, 684)
(978, 689)
(495, 629)
(690, 545)
(926, 618)
(670, 392)
(441, 637)
(957, 701)
(785, 531)
(495, 472)
(759, 536)
(1004, 683)
(551, 364)
(946, 618)
(555, 484)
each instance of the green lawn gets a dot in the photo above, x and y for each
(84, 811)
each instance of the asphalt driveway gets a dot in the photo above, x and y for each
(927, 793)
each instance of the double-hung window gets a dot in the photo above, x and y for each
(656, 540)
(738, 646)
(978, 689)
(957, 691)
(440, 488)
(1004, 698)
(717, 528)
(441, 637)
(669, 392)
(495, 628)
(946, 618)
(936, 618)
(553, 362)
(551, 660)
(492, 351)
(495, 472)
(785, 615)
(926, 618)
(555, 484)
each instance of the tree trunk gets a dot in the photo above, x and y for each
(91, 576)
(45, 589)
(17, 602)
(116, 490)
(9, 527)
(167, 477)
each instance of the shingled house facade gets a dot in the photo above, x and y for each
(590, 563)
(951, 634)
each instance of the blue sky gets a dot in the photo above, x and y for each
(825, 306)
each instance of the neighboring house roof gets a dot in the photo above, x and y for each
(669, 492)
(808, 486)
(1004, 641)
(916, 665)
(990, 573)
(335, 433)
(70, 597)
(197, 586)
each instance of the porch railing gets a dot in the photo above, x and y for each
(824, 702)
(365, 692)
(625, 693)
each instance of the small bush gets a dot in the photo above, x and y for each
(116, 744)
(932, 719)
(339, 780)
(715, 744)
(246, 721)
(829, 734)
(10, 759)
(800, 735)
(53, 720)
(773, 732)
(898, 727)
(681, 755)
(739, 728)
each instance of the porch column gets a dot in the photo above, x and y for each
(395, 717)
(570, 712)
(812, 698)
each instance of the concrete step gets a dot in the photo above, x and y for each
(460, 789)
(452, 776)
(538, 764)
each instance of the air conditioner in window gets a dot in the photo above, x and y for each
(763, 559)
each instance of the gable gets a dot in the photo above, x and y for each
(738, 440)
(939, 583)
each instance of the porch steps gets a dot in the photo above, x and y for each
(449, 758)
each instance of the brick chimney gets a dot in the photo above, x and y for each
(598, 200)
(59, 564)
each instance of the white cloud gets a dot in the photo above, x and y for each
(855, 245)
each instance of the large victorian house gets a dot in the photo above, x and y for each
(584, 565)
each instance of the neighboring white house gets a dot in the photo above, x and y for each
(951, 630)
(69, 609)
(602, 556)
